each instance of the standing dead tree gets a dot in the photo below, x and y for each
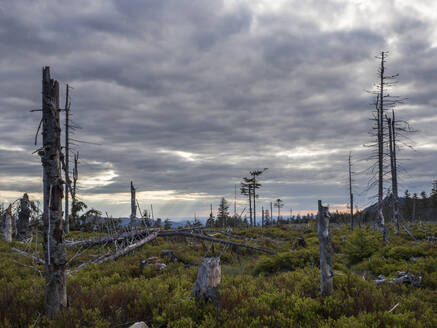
(384, 101)
(133, 213)
(326, 273)
(393, 166)
(351, 195)
(7, 230)
(54, 250)
(67, 160)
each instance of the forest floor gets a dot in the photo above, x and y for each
(281, 290)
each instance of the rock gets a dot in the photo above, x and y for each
(140, 324)
(208, 278)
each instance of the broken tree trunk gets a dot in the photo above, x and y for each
(7, 231)
(67, 160)
(23, 217)
(54, 251)
(326, 273)
(208, 278)
(117, 254)
(351, 195)
(394, 199)
(214, 240)
(133, 204)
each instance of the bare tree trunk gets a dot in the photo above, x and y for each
(271, 212)
(23, 217)
(54, 251)
(380, 109)
(67, 161)
(326, 273)
(254, 202)
(392, 144)
(7, 232)
(250, 205)
(351, 196)
(262, 218)
(133, 204)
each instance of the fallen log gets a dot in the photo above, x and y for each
(106, 239)
(164, 233)
(117, 254)
(119, 237)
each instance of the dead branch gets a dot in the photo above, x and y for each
(33, 257)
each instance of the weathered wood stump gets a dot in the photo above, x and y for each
(7, 231)
(326, 273)
(208, 278)
(23, 217)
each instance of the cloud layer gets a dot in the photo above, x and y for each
(185, 97)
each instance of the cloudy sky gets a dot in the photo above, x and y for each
(184, 97)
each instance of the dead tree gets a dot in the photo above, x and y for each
(7, 231)
(351, 195)
(67, 160)
(23, 217)
(133, 204)
(392, 147)
(384, 101)
(54, 251)
(208, 278)
(326, 273)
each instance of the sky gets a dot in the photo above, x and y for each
(185, 97)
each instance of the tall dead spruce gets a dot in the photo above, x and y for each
(326, 273)
(133, 204)
(384, 101)
(54, 250)
(67, 159)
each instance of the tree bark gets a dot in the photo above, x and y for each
(7, 231)
(67, 161)
(326, 273)
(54, 251)
(208, 278)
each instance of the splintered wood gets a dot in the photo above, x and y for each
(208, 278)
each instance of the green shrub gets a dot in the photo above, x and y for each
(287, 261)
(361, 244)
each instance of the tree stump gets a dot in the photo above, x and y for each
(326, 273)
(7, 231)
(208, 278)
(23, 217)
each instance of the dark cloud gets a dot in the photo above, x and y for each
(187, 96)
